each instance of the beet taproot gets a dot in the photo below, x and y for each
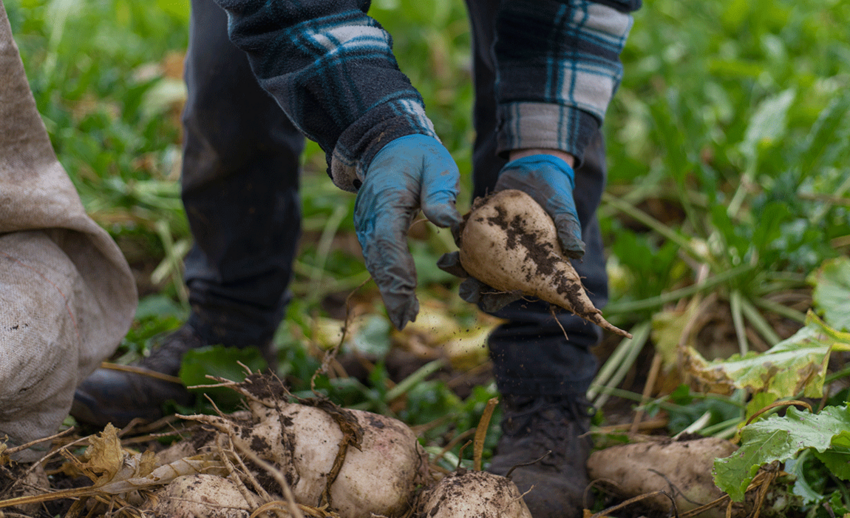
(681, 468)
(510, 243)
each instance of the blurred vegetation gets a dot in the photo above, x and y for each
(728, 146)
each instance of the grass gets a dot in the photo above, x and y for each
(728, 149)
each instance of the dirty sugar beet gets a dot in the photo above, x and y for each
(510, 243)
(474, 494)
(357, 463)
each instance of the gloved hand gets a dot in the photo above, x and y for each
(550, 181)
(410, 173)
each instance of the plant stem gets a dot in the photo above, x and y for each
(417, 377)
(672, 296)
(842, 488)
(719, 427)
(323, 250)
(717, 397)
(633, 347)
(628, 394)
(738, 321)
(741, 192)
(836, 375)
(697, 425)
(697, 223)
(328, 285)
(657, 226)
(757, 320)
(635, 193)
(607, 369)
(610, 366)
(163, 230)
(786, 276)
(764, 287)
(729, 432)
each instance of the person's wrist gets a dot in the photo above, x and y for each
(522, 153)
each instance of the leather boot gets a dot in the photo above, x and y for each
(118, 397)
(554, 428)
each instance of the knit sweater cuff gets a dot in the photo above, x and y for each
(360, 142)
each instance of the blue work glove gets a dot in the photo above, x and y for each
(410, 173)
(550, 181)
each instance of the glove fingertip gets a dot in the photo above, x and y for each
(492, 303)
(450, 263)
(470, 290)
(444, 215)
(573, 249)
(569, 236)
(402, 314)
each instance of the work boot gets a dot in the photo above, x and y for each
(118, 397)
(532, 426)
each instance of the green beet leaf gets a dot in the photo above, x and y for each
(831, 295)
(837, 458)
(222, 362)
(801, 469)
(782, 438)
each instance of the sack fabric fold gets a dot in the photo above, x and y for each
(67, 295)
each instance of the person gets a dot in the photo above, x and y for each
(544, 73)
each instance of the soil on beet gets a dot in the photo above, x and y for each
(543, 254)
(265, 387)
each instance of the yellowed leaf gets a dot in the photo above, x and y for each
(667, 330)
(104, 457)
(147, 463)
(797, 364)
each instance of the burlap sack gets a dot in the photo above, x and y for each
(67, 296)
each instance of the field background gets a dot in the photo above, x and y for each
(728, 146)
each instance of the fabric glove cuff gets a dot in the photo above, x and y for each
(534, 162)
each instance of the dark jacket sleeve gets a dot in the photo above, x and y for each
(332, 70)
(558, 66)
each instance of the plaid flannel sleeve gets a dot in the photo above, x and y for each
(332, 70)
(558, 66)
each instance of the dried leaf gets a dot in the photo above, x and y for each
(115, 470)
(667, 330)
(104, 457)
(207, 464)
(795, 365)
(147, 463)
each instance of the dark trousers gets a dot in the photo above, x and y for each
(240, 191)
